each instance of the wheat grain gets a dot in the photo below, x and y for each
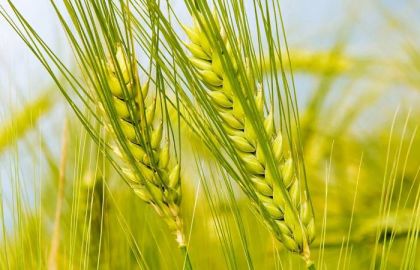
(159, 182)
(296, 236)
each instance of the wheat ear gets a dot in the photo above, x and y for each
(159, 182)
(295, 235)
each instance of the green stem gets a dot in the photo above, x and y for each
(187, 263)
(311, 266)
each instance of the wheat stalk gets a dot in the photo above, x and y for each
(296, 235)
(156, 180)
(93, 215)
(55, 240)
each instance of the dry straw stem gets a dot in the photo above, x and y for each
(156, 179)
(295, 234)
(55, 241)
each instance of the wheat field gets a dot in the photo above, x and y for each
(163, 134)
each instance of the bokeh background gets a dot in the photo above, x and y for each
(356, 66)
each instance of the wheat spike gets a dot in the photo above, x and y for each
(295, 235)
(160, 182)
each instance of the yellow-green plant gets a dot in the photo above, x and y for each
(25, 119)
(236, 93)
(92, 217)
(158, 181)
(103, 45)
(295, 233)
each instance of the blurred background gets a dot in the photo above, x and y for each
(356, 66)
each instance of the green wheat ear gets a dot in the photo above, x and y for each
(156, 178)
(296, 235)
